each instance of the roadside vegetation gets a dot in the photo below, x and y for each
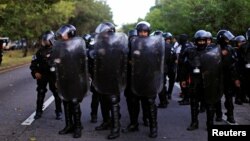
(15, 58)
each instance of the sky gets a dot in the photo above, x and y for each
(128, 11)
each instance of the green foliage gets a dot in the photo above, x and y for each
(89, 14)
(30, 18)
(188, 16)
(128, 27)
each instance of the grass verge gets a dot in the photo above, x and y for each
(14, 58)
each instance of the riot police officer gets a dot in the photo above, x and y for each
(89, 39)
(247, 64)
(40, 70)
(170, 62)
(230, 76)
(147, 54)
(204, 81)
(109, 79)
(70, 60)
(130, 97)
(163, 94)
(183, 43)
(241, 51)
(133, 101)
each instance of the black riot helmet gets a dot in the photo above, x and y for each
(167, 35)
(182, 38)
(143, 26)
(224, 36)
(105, 27)
(157, 32)
(68, 29)
(240, 39)
(200, 38)
(132, 33)
(209, 35)
(48, 37)
(86, 38)
(248, 35)
(200, 34)
(72, 32)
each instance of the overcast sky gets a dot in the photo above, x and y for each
(128, 11)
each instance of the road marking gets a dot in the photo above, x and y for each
(30, 119)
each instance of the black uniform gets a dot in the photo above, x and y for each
(70, 60)
(109, 78)
(89, 39)
(246, 73)
(202, 68)
(41, 64)
(242, 70)
(230, 74)
(133, 101)
(169, 70)
(200, 88)
(184, 43)
(147, 55)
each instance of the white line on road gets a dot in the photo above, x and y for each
(30, 119)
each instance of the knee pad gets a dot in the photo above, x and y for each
(114, 99)
(41, 91)
(151, 100)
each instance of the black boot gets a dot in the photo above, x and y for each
(103, 126)
(184, 102)
(105, 110)
(163, 98)
(186, 97)
(39, 105)
(202, 108)
(77, 121)
(152, 118)
(145, 121)
(115, 115)
(38, 115)
(68, 119)
(194, 125)
(218, 111)
(230, 117)
(169, 95)
(230, 108)
(194, 115)
(93, 118)
(58, 105)
(210, 109)
(131, 128)
(238, 95)
(94, 105)
(58, 115)
(145, 113)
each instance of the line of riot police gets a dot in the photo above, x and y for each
(207, 71)
(137, 65)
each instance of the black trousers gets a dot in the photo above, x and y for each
(41, 91)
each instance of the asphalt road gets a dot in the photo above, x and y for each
(17, 107)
